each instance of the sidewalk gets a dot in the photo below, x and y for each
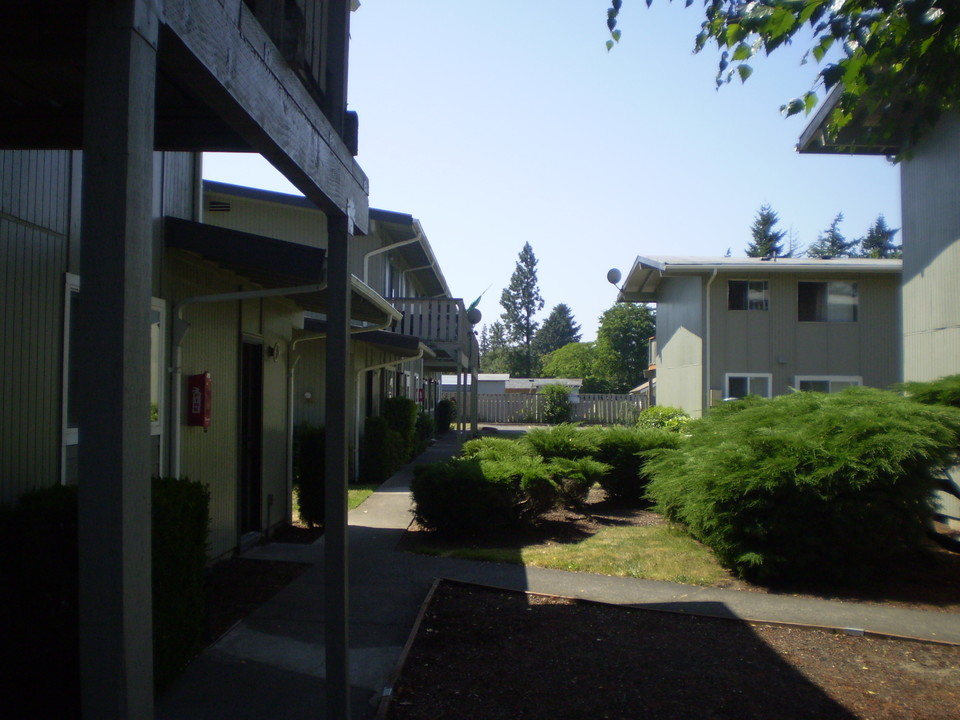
(272, 664)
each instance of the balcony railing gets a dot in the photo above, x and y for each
(433, 320)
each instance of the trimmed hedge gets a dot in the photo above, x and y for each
(424, 432)
(807, 484)
(446, 414)
(309, 462)
(401, 416)
(562, 441)
(41, 587)
(456, 498)
(382, 450)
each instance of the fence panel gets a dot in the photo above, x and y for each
(586, 408)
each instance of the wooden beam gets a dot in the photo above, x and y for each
(338, 383)
(113, 362)
(227, 59)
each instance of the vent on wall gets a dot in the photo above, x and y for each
(218, 206)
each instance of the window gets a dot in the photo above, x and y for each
(834, 301)
(70, 432)
(744, 384)
(748, 295)
(826, 383)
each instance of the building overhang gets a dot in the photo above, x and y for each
(221, 85)
(859, 137)
(417, 256)
(272, 263)
(403, 346)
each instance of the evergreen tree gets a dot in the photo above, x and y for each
(521, 301)
(498, 356)
(832, 243)
(558, 329)
(878, 242)
(767, 241)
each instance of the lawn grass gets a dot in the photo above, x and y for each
(356, 494)
(660, 552)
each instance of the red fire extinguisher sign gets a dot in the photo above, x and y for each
(198, 400)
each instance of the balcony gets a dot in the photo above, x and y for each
(442, 325)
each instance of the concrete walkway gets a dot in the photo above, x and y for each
(272, 664)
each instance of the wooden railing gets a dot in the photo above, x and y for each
(434, 320)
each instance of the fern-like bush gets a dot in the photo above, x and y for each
(626, 450)
(945, 391)
(456, 498)
(807, 484)
(574, 478)
(562, 441)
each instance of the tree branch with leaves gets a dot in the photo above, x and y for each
(897, 62)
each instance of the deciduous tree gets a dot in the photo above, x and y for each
(897, 61)
(622, 345)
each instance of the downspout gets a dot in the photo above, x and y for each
(706, 363)
(387, 248)
(179, 328)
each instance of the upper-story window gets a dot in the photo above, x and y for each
(834, 301)
(748, 295)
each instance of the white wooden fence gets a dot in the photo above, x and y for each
(585, 408)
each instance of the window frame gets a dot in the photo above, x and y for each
(826, 307)
(856, 380)
(726, 383)
(748, 308)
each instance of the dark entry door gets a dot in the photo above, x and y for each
(251, 435)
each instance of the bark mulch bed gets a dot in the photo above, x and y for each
(485, 653)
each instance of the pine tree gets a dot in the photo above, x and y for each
(767, 241)
(832, 243)
(521, 301)
(878, 242)
(558, 329)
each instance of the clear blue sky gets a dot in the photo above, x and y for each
(499, 122)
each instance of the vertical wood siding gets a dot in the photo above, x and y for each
(930, 183)
(35, 221)
(284, 222)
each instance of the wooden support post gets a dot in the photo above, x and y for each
(338, 379)
(113, 362)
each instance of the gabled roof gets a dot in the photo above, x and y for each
(643, 280)
(855, 139)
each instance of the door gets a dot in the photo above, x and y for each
(251, 436)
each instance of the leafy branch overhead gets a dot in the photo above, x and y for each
(897, 61)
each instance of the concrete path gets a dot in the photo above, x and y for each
(272, 664)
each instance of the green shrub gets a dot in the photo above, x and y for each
(663, 417)
(382, 450)
(529, 481)
(556, 405)
(564, 440)
(401, 416)
(945, 391)
(446, 415)
(181, 527)
(41, 587)
(625, 450)
(495, 448)
(455, 498)
(424, 432)
(310, 473)
(574, 478)
(807, 484)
